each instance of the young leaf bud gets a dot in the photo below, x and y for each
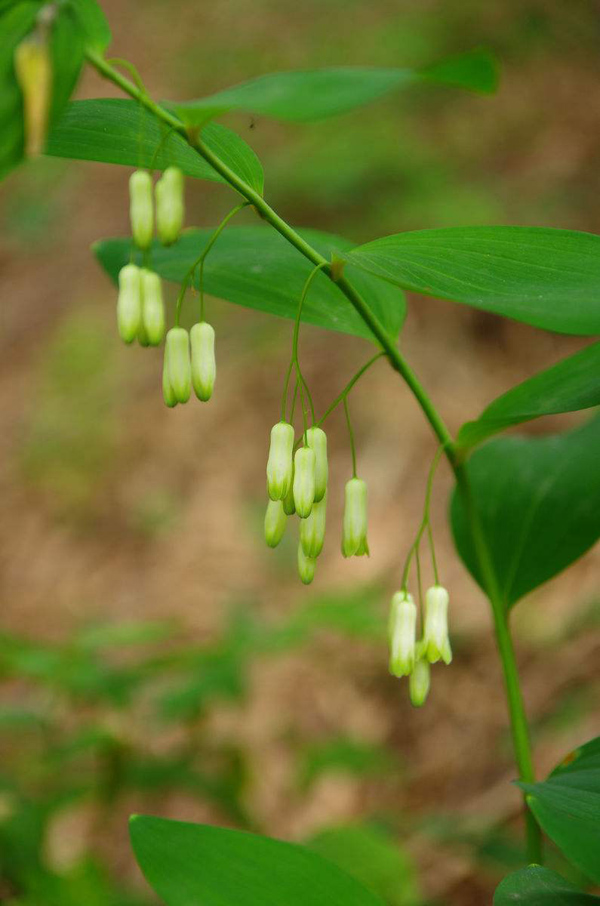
(129, 303)
(288, 501)
(306, 566)
(317, 441)
(178, 357)
(153, 308)
(275, 522)
(354, 535)
(436, 643)
(304, 481)
(33, 69)
(312, 529)
(169, 205)
(402, 634)
(419, 682)
(204, 368)
(168, 395)
(141, 210)
(280, 466)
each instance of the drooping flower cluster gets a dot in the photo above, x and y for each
(189, 359)
(412, 658)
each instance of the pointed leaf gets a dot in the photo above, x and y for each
(212, 866)
(545, 277)
(119, 131)
(567, 806)
(94, 23)
(255, 267)
(536, 886)
(539, 504)
(568, 386)
(303, 96)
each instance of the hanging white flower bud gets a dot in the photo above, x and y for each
(304, 481)
(204, 368)
(306, 566)
(142, 336)
(170, 205)
(153, 308)
(275, 522)
(312, 529)
(168, 394)
(317, 441)
(129, 303)
(177, 346)
(419, 682)
(280, 465)
(402, 634)
(141, 210)
(354, 535)
(436, 643)
(288, 501)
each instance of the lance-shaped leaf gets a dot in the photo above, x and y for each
(537, 886)
(567, 806)
(255, 267)
(538, 500)
(545, 277)
(302, 96)
(120, 131)
(213, 866)
(568, 386)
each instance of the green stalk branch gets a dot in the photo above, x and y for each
(518, 719)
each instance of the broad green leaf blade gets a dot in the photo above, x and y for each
(119, 131)
(568, 386)
(304, 96)
(539, 504)
(15, 23)
(536, 886)
(94, 24)
(211, 866)
(255, 267)
(545, 277)
(567, 806)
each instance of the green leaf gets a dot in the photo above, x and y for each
(374, 858)
(536, 886)
(119, 131)
(568, 386)
(15, 23)
(94, 24)
(67, 50)
(538, 500)
(545, 277)
(255, 267)
(303, 96)
(567, 806)
(196, 864)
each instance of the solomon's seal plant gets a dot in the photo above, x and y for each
(523, 508)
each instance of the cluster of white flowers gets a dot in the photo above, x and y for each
(189, 360)
(409, 657)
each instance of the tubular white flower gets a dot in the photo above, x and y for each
(177, 346)
(153, 308)
(312, 529)
(354, 535)
(204, 367)
(275, 522)
(402, 634)
(419, 682)
(306, 566)
(141, 208)
(129, 303)
(304, 481)
(170, 206)
(168, 394)
(317, 441)
(436, 644)
(280, 465)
